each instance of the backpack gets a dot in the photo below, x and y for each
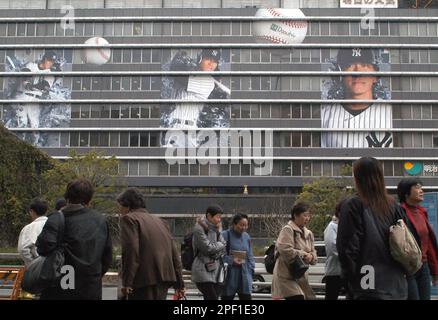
(404, 248)
(270, 258)
(187, 252)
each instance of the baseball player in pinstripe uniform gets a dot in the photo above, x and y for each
(357, 116)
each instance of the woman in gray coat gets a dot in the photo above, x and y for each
(209, 247)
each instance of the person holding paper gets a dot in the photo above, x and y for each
(240, 259)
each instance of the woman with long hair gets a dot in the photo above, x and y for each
(363, 237)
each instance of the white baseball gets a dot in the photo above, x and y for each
(97, 56)
(280, 31)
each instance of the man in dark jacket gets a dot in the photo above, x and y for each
(87, 244)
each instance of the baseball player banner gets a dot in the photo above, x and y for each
(190, 116)
(377, 115)
(33, 89)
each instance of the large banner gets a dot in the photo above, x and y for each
(377, 115)
(35, 88)
(191, 115)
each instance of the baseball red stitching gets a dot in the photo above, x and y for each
(291, 23)
(273, 39)
(100, 51)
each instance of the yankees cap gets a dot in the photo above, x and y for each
(213, 54)
(348, 57)
(50, 55)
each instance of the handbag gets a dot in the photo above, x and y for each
(404, 248)
(298, 267)
(44, 272)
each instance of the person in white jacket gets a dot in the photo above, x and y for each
(30, 232)
(333, 280)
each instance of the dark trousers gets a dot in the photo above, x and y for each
(419, 284)
(241, 297)
(158, 292)
(298, 297)
(210, 290)
(333, 285)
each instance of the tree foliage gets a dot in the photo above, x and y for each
(101, 170)
(21, 166)
(323, 194)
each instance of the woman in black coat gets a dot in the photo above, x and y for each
(363, 237)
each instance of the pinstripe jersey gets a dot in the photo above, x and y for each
(376, 116)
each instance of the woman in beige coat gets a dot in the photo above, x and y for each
(294, 240)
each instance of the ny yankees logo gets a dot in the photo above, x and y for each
(374, 142)
(356, 53)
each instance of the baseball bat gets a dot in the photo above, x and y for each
(222, 87)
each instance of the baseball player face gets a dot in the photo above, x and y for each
(208, 64)
(46, 64)
(359, 87)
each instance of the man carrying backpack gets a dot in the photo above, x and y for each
(208, 271)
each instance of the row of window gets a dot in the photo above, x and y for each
(232, 28)
(312, 56)
(298, 168)
(145, 139)
(238, 111)
(242, 83)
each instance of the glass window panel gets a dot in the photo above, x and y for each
(95, 111)
(117, 55)
(74, 139)
(114, 139)
(245, 111)
(144, 112)
(133, 167)
(413, 29)
(135, 83)
(84, 139)
(296, 111)
(276, 111)
(325, 28)
(144, 139)
(296, 139)
(427, 140)
(85, 111)
(174, 169)
(384, 28)
(136, 55)
(296, 168)
(316, 168)
(94, 139)
(12, 29)
(316, 139)
(154, 138)
(135, 112)
(404, 27)
(103, 139)
(327, 168)
(143, 168)
(124, 139)
(30, 30)
(406, 112)
(124, 112)
(306, 140)
(155, 112)
(196, 28)
(432, 28)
